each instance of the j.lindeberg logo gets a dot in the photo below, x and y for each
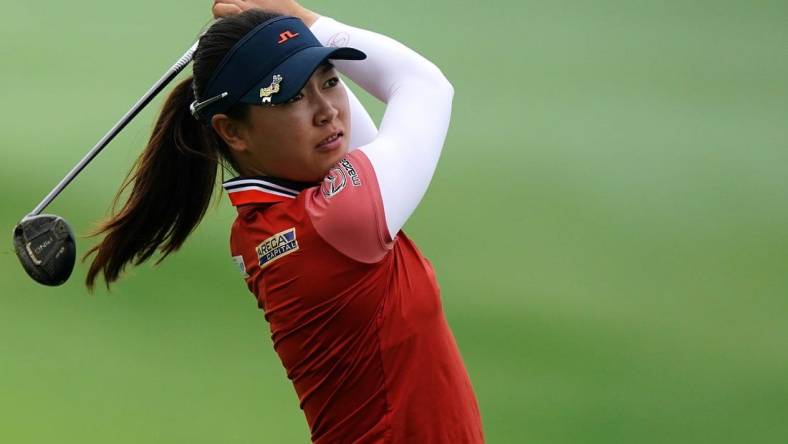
(287, 35)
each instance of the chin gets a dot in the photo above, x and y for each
(328, 159)
(335, 156)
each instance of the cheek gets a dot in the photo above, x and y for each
(279, 132)
(343, 105)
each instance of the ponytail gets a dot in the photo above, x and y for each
(173, 180)
(171, 187)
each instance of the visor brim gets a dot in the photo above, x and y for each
(295, 73)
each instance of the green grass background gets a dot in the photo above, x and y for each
(609, 225)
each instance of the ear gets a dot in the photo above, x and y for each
(231, 131)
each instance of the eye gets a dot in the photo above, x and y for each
(295, 98)
(332, 82)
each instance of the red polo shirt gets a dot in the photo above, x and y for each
(355, 317)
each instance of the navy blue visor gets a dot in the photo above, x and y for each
(269, 66)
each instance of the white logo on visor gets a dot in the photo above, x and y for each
(266, 92)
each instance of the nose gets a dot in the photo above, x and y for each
(326, 110)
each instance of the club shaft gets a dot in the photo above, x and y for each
(141, 103)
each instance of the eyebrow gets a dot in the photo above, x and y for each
(326, 66)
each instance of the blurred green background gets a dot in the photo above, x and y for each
(609, 224)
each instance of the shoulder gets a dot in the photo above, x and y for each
(346, 210)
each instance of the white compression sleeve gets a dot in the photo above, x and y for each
(418, 101)
(362, 128)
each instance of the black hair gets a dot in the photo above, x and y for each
(172, 181)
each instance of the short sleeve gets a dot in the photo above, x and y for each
(347, 210)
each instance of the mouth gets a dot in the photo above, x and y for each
(333, 141)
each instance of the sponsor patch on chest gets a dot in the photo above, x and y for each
(279, 245)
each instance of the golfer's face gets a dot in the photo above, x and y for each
(285, 140)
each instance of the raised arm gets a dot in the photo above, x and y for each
(362, 127)
(418, 96)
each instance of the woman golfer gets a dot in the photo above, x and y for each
(353, 306)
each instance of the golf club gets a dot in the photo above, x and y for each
(44, 243)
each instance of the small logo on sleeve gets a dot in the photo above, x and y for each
(337, 178)
(333, 183)
(351, 172)
(279, 245)
(339, 39)
(239, 262)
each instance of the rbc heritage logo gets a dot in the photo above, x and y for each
(279, 245)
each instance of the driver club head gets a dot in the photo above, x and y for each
(45, 246)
